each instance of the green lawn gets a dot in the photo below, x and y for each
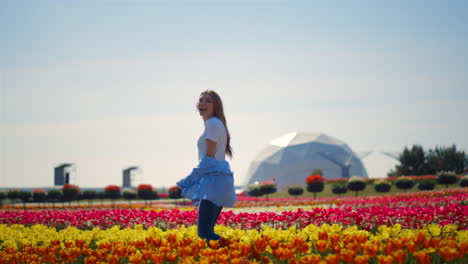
(369, 190)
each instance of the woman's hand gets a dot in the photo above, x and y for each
(210, 148)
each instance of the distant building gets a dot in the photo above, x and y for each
(127, 177)
(62, 174)
(290, 158)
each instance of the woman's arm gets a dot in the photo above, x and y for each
(210, 148)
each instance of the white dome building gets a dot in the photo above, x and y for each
(290, 158)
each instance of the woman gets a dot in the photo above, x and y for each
(211, 183)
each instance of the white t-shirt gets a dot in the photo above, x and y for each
(214, 130)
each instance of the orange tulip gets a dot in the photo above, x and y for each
(274, 243)
(79, 243)
(221, 258)
(111, 259)
(153, 241)
(422, 257)
(335, 239)
(332, 259)
(411, 246)
(347, 255)
(384, 259)
(399, 256)
(303, 249)
(310, 259)
(371, 249)
(463, 246)
(137, 259)
(260, 245)
(361, 238)
(172, 238)
(298, 241)
(157, 258)
(361, 259)
(322, 235)
(448, 253)
(171, 257)
(336, 248)
(90, 260)
(214, 244)
(321, 245)
(237, 261)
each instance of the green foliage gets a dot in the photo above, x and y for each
(39, 197)
(254, 190)
(129, 194)
(3, 195)
(267, 188)
(339, 189)
(54, 194)
(356, 184)
(446, 159)
(317, 171)
(404, 183)
(412, 162)
(446, 177)
(89, 194)
(24, 196)
(464, 181)
(175, 193)
(416, 161)
(426, 185)
(146, 194)
(315, 187)
(295, 191)
(13, 194)
(382, 186)
(70, 194)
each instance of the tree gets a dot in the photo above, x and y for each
(268, 187)
(339, 189)
(356, 184)
(382, 186)
(295, 191)
(416, 161)
(315, 184)
(446, 159)
(412, 162)
(404, 183)
(446, 177)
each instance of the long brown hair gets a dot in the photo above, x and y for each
(218, 110)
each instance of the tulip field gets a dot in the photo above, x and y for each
(423, 227)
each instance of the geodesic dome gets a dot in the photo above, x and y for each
(290, 158)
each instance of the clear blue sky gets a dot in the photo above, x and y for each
(110, 84)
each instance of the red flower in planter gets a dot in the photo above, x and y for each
(314, 178)
(112, 188)
(147, 187)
